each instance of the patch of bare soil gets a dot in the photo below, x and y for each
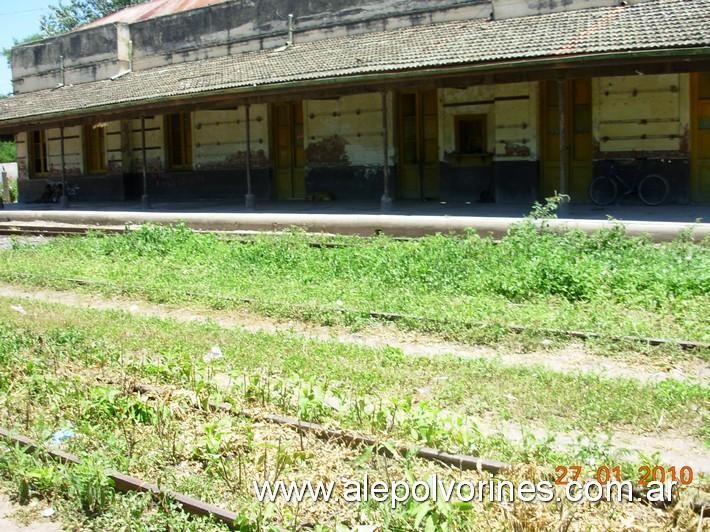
(573, 358)
(29, 518)
(660, 447)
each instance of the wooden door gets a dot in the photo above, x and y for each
(418, 134)
(578, 115)
(95, 149)
(700, 149)
(289, 152)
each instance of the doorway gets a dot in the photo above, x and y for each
(700, 149)
(578, 115)
(289, 152)
(418, 134)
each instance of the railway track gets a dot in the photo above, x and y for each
(687, 345)
(126, 483)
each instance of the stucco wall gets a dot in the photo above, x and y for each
(522, 8)
(345, 131)
(21, 144)
(344, 143)
(89, 55)
(114, 148)
(509, 173)
(512, 116)
(641, 115)
(247, 25)
(219, 138)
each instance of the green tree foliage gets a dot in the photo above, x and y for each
(7, 52)
(66, 17)
(8, 153)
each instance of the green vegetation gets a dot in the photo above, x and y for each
(60, 368)
(8, 152)
(7, 52)
(139, 393)
(69, 15)
(371, 386)
(469, 288)
(66, 16)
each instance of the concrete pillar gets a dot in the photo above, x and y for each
(386, 200)
(249, 199)
(64, 198)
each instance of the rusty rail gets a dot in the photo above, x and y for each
(458, 461)
(687, 345)
(126, 483)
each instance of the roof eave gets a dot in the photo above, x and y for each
(380, 78)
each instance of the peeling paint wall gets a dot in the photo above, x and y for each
(477, 100)
(89, 55)
(516, 122)
(511, 114)
(522, 8)
(114, 148)
(73, 152)
(21, 144)
(154, 142)
(346, 131)
(245, 25)
(641, 116)
(219, 138)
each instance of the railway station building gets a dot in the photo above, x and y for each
(504, 101)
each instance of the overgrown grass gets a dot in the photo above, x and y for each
(62, 367)
(67, 367)
(164, 351)
(606, 282)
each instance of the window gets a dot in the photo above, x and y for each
(178, 129)
(471, 134)
(94, 149)
(704, 85)
(37, 144)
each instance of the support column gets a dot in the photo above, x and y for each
(5, 189)
(64, 198)
(145, 199)
(386, 200)
(249, 199)
(564, 145)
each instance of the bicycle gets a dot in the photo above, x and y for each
(652, 190)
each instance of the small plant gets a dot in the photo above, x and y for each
(549, 209)
(91, 487)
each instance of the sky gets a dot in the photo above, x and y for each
(19, 19)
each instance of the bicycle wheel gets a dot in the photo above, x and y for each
(653, 189)
(603, 191)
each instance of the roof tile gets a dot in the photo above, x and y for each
(649, 25)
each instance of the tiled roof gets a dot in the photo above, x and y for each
(649, 25)
(149, 10)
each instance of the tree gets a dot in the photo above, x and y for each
(7, 52)
(66, 17)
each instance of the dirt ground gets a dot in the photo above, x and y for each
(11, 517)
(572, 358)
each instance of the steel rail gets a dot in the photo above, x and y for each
(354, 439)
(687, 345)
(125, 483)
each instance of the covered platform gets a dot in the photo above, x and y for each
(404, 220)
(662, 213)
